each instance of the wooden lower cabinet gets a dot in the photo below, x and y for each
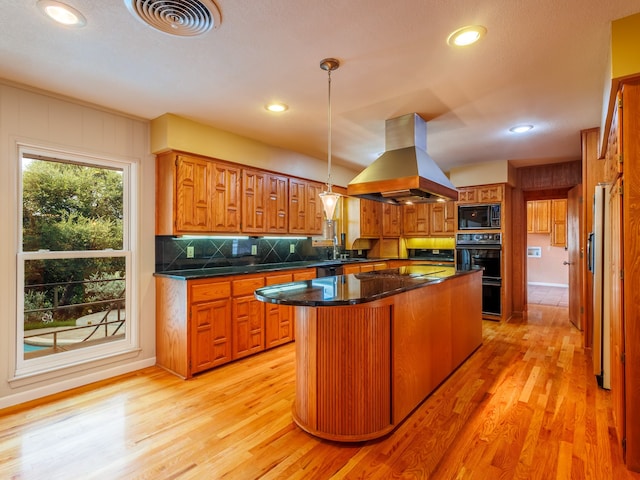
(278, 318)
(210, 334)
(204, 323)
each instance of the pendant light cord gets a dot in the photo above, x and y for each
(329, 140)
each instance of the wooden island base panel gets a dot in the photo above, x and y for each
(362, 368)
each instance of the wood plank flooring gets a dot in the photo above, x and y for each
(524, 406)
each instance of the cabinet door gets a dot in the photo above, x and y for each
(253, 201)
(542, 216)
(559, 222)
(443, 215)
(370, 218)
(416, 220)
(529, 217)
(493, 193)
(210, 334)
(314, 213)
(193, 194)
(226, 195)
(297, 205)
(248, 326)
(468, 195)
(277, 208)
(391, 218)
(278, 318)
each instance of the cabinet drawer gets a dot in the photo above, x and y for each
(204, 292)
(275, 279)
(247, 286)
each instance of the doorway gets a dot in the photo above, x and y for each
(547, 252)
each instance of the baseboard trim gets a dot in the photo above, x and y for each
(545, 284)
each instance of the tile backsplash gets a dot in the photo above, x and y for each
(171, 252)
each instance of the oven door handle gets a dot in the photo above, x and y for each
(491, 282)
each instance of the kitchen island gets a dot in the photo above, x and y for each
(371, 347)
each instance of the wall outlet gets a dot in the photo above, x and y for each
(254, 249)
(190, 251)
(292, 248)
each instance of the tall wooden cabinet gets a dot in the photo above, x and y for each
(621, 287)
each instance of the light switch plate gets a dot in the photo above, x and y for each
(254, 249)
(292, 248)
(190, 251)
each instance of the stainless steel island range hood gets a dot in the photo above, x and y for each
(404, 173)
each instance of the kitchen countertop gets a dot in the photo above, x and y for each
(356, 288)
(192, 274)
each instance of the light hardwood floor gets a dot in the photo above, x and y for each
(524, 406)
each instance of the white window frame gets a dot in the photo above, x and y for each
(60, 360)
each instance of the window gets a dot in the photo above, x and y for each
(75, 272)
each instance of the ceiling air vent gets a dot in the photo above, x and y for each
(185, 18)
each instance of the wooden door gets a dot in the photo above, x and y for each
(248, 326)
(370, 218)
(391, 215)
(613, 299)
(253, 201)
(575, 254)
(193, 195)
(210, 335)
(278, 318)
(226, 198)
(416, 219)
(314, 213)
(297, 205)
(277, 207)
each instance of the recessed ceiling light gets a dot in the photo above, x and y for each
(466, 35)
(62, 13)
(521, 128)
(276, 107)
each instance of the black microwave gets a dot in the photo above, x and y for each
(479, 217)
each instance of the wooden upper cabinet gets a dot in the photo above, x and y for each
(370, 218)
(277, 192)
(559, 222)
(539, 216)
(297, 202)
(196, 195)
(315, 213)
(443, 219)
(481, 194)
(254, 207)
(264, 202)
(416, 220)
(226, 198)
(391, 220)
(193, 195)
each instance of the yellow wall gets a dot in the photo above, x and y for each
(171, 132)
(625, 41)
(481, 174)
(623, 63)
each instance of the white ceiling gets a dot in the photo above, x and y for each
(542, 62)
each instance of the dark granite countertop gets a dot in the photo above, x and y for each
(192, 274)
(355, 288)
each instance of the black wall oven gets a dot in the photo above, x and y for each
(475, 251)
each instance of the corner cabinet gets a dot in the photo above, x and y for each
(196, 195)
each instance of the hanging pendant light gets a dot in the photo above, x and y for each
(329, 198)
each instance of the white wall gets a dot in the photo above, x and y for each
(549, 268)
(38, 118)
